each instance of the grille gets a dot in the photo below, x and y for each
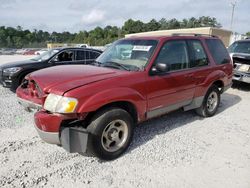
(39, 90)
(32, 88)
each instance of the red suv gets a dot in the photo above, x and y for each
(94, 108)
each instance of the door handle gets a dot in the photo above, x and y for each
(190, 77)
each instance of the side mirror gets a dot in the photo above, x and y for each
(160, 68)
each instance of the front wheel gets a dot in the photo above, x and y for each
(17, 83)
(111, 132)
(211, 102)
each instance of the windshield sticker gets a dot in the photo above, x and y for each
(142, 48)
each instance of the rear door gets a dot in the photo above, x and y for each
(86, 56)
(175, 88)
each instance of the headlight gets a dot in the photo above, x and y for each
(244, 68)
(60, 104)
(12, 70)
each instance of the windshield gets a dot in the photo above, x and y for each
(46, 55)
(128, 54)
(240, 47)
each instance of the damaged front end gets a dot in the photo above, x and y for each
(66, 130)
(74, 139)
(30, 95)
(241, 64)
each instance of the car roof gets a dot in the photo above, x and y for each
(77, 48)
(175, 35)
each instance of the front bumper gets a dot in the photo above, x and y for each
(49, 137)
(241, 77)
(28, 105)
(49, 122)
(8, 80)
(49, 128)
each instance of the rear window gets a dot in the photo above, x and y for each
(94, 55)
(218, 51)
(81, 55)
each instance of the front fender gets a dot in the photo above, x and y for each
(105, 97)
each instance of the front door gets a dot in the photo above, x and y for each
(175, 88)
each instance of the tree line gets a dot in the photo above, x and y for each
(23, 38)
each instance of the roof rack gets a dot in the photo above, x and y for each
(193, 34)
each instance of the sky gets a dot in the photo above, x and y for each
(76, 15)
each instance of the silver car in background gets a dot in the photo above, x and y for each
(240, 53)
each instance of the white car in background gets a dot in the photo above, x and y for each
(21, 51)
(39, 52)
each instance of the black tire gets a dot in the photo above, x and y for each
(206, 111)
(17, 83)
(102, 128)
(14, 87)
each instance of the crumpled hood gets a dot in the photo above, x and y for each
(241, 55)
(60, 79)
(242, 58)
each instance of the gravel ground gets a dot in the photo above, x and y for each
(177, 150)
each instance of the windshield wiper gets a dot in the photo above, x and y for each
(114, 64)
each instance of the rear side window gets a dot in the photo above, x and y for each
(80, 55)
(199, 57)
(86, 55)
(94, 55)
(218, 51)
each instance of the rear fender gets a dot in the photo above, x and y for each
(214, 76)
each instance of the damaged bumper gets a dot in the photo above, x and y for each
(28, 105)
(50, 129)
(74, 139)
(49, 137)
(241, 77)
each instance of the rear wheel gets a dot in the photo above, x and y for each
(111, 132)
(211, 102)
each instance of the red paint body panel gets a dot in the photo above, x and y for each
(60, 79)
(95, 87)
(162, 90)
(129, 86)
(50, 122)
